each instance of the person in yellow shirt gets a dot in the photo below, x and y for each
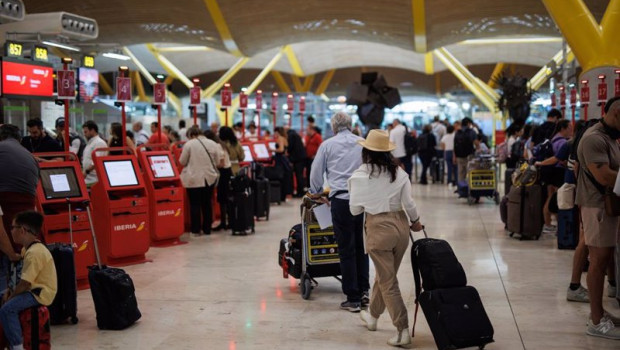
(38, 279)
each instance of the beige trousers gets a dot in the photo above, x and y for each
(461, 164)
(387, 239)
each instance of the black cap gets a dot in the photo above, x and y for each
(60, 122)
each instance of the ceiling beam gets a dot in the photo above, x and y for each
(217, 85)
(492, 94)
(499, 68)
(169, 67)
(308, 83)
(296, 83)
(137, 82)
(105, 86)
(324, 84)
(279, 79)
(140, 66)
(184, 49)
(294, 62)
(419, 25)
(222, 27)
(537, 81)
(428, 63)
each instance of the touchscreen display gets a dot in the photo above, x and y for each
(273, 145)
(248, 153)
(161, 166)
(120, 173)
(261, 151)
(59, 183)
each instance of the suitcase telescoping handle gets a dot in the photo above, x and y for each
(411, 234)
(86, 203)
(416, 278)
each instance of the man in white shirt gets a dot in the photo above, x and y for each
(397, 136)
(91, 132)
(140, 135)
(182, 130)
(438, 130)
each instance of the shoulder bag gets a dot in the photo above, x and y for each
(217, 179)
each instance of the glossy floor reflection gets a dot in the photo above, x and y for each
(225, 292)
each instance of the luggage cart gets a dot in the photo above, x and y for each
(482, 179)
(319, 250)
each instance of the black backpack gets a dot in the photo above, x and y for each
(463, 143)
(80, 152)
(411, 145)
(517, 149)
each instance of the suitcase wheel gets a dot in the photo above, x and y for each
(306, 287)
(74, 320)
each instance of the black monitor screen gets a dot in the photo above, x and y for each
(161, 166)
(248, 153)
(59, 183)
(120, 173)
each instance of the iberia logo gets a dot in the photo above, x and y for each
(141, 227)
(83, 246)
(46, 73)
(178, 212)
(23, 80)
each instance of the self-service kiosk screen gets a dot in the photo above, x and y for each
(120, 173)
(248, 153)
(161, 166)
(273, 145)
(59, 183)
(261, 151)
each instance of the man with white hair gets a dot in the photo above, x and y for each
(139, 133)
(335, 161)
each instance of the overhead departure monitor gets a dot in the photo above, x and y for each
(248, 153)
(261, 151)
(120, 173)
(59, 183)
(161, 166)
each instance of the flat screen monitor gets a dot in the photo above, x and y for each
(120, 173)
(88, 84)
(248, 153)
(59, 183)
(161, 166)
(261, 151)
(25, 79)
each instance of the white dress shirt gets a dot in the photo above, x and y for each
(397, 136)
(87, 158)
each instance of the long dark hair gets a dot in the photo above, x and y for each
(227, 134)
(383, 161)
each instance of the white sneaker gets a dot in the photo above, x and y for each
(580, 295)
(549, 229)
(403, 338)
(611, 291)
(371, 322)
(605, 329)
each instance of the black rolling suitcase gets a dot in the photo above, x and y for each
(262, 198)
(242, 205)
(113, 293)
(437, 170)
(453, 310)
(568, 228)
(525, 216)
(64, 305)
(275, 189)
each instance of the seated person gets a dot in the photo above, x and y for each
(38, 279)
(480, 146)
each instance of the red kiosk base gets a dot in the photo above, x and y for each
(120, 205)
(165, 194)
(62, 198)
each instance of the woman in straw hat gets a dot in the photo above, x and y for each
(382, 190)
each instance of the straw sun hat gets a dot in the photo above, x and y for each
(378, 141)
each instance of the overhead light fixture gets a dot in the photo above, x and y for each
(61, 46)
(116, 56)
(525, 40)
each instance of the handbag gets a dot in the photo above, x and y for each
(217, 179)
(566, 196)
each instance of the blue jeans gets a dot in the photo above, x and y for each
(452, 169)
(349, 231)
(9, 316)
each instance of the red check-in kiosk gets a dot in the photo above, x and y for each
(61, 187)
(121, 208)
(166, 196)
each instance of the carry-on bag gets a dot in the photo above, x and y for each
(437, 170)
(525, 211)
(113, 292)
(242, 205)
(64, 306)
(262, 194)
(275, 189)
(454, 311)
(568, 229)
(503, 209)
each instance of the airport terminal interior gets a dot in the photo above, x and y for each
(487, 107)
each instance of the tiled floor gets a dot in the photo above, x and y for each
(225, 292)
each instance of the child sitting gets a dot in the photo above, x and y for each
(38, 280)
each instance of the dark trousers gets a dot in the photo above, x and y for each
(298, 169)
(348, 230)
(200, 210)
(13, 203)
(452, 170)
(426, 163)
(223, 194)
(407, 163)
